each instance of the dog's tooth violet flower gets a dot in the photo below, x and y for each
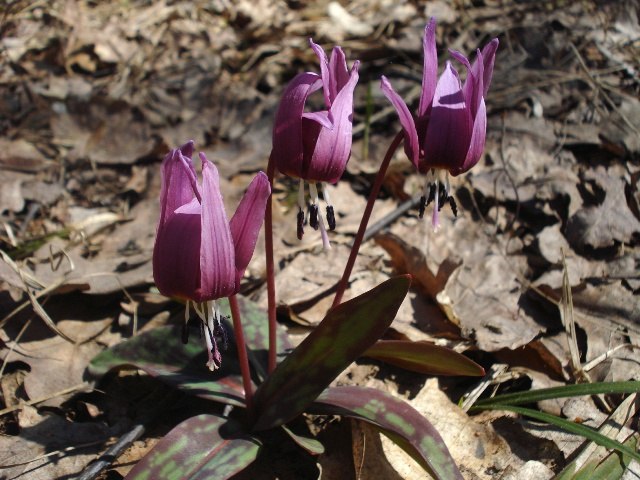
(448, 133)
(315, 146)
(199, 255)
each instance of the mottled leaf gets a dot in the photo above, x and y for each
(397, 419)
(344, 334)
(423, 357)
(202, 447)
(161, 354)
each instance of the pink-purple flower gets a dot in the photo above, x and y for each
(447, 135)
(315, 146)
(199, 255)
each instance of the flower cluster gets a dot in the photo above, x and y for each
(200, 256)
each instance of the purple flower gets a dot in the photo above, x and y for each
(315, 146)
(448, 133)
(199, 255)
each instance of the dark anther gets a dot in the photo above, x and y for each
(331, 218)
(300, 224)
(313, 216)
(185, 332)
(221, 332)
(442, 197)
(454, 207)
(432, 194)
(423, 206)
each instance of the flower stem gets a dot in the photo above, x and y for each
(375, 190)
(271, 282)
(242, 352)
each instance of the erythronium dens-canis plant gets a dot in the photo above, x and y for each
(200, 257)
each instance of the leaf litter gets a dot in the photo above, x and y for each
(93, 94)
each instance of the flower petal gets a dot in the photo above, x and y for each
(287, 130)
(478, 138)
(325, 72)
(488, 59)
(217, 256)
(411, 145)
(430, 68)
(449, 129)
(333, 147)
(176, 253)
(247, 221)
(472, 88)
(178, 176)
(339, 71)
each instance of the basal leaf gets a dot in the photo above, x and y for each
(344, 334)
(202, 447)
(423, 357)
(161, 354)
(310, 444)
(404, 425)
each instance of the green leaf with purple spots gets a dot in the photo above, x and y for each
(202, 447)
(423, 357)
(161, 354)
(345, 334)
(398, 420)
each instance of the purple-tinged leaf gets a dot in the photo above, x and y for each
(310, 444)
(423, 357)
(398, 420)
(346, 332)
(202, 447)
(161, 354)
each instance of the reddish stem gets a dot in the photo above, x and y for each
(271, 281)
(375, 190)
(242, 352)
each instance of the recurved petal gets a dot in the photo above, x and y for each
(333, 147)
(325, 71)
(478, 137)
(488, 59)
(339, 71)
(449, 129)
(217, 256)
(411, 145)
(176, 253)
(287, 130)
(178, 178)
(247, 221)
(473, 85)
(430, 68)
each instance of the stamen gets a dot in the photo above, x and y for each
(313, 216)
(454, 207)
(331, 217)
(442, 197)
(300, 227)
(432, 194)
(313, 207)
(435, 220)
(185, 326)
(423, 206)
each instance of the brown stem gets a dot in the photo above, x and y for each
(271, 281)
(375, 190)
(242, 352)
